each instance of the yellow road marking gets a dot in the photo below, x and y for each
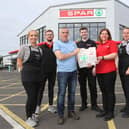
(11, 87)
(77, 94)
(3, 95)
(44, 107)
(18, 119)
(6, 80)
(111, 124)
(12, 84)
(15, 117)
(11, 96)
(15, 105)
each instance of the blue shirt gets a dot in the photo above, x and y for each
(69, 64)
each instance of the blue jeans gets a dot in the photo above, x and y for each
(66, 79)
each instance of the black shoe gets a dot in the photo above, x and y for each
(108, 116)
(125, 115)
(123, 109)
(82, 108)
(101, 114)
(60, 120)
(73, 115)
(96, 108)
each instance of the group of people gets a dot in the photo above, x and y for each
(39, 63)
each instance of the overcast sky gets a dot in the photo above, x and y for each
(16, 14)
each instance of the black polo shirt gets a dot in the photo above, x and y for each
(86, 44)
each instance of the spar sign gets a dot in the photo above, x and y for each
(70, 13)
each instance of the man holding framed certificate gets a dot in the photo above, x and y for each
(86, 62)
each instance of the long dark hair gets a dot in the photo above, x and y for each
(109, 34)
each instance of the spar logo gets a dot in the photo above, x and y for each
(99, 12)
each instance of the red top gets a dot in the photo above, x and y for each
(106, 66)
(45, 43)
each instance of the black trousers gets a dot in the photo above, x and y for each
(32, 90)
(107, 85)
(125, 85)
(51, 77)
(83, 76)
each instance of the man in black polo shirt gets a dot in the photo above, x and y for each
(48, 69)
(85, 74)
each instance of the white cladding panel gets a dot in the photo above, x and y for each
(121, 17)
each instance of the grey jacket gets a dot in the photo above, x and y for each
(24, 53)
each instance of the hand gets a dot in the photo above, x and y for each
(99, 58)
(89, 65)
(127, 72)
(19, 67)
(94, 71)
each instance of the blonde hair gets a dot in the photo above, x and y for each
(32, 31)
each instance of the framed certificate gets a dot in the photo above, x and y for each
(86, 57)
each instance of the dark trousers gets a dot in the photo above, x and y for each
(107, 85)
(51, 77)
(66, 79)
(84, 75)
(125, 85)
(32, 90)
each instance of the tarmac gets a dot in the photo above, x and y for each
(13, 99)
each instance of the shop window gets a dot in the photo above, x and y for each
(41, 34)
(93, 28)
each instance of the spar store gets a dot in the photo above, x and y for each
(93, 14)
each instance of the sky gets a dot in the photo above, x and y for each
(15, 15)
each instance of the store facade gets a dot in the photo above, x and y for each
(93, 14)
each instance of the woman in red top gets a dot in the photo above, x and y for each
(106, 72)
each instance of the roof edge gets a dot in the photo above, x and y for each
(122, 3)
(58, 5)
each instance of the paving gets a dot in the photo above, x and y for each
(12, 108)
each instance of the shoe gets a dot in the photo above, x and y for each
(52, 109)
(72, 114)
(35, 117)
(82, 108)
(123, 109)
(31, 122)
(37, 111)
(96, 108)
(101, 114)
(125, 115)
(60, 120)
(108, 116)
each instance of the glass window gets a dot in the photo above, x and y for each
(71, 34)
(85, 25)
(93, 25)
(41, 34)
(76, 34)
(69, 25)
(62, 25)
(77, 25)
(93, 33)
(101, 24)
(93, 28)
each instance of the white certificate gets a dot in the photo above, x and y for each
(86, 57)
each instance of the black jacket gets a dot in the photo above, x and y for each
(48, 59)
(87, 44)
